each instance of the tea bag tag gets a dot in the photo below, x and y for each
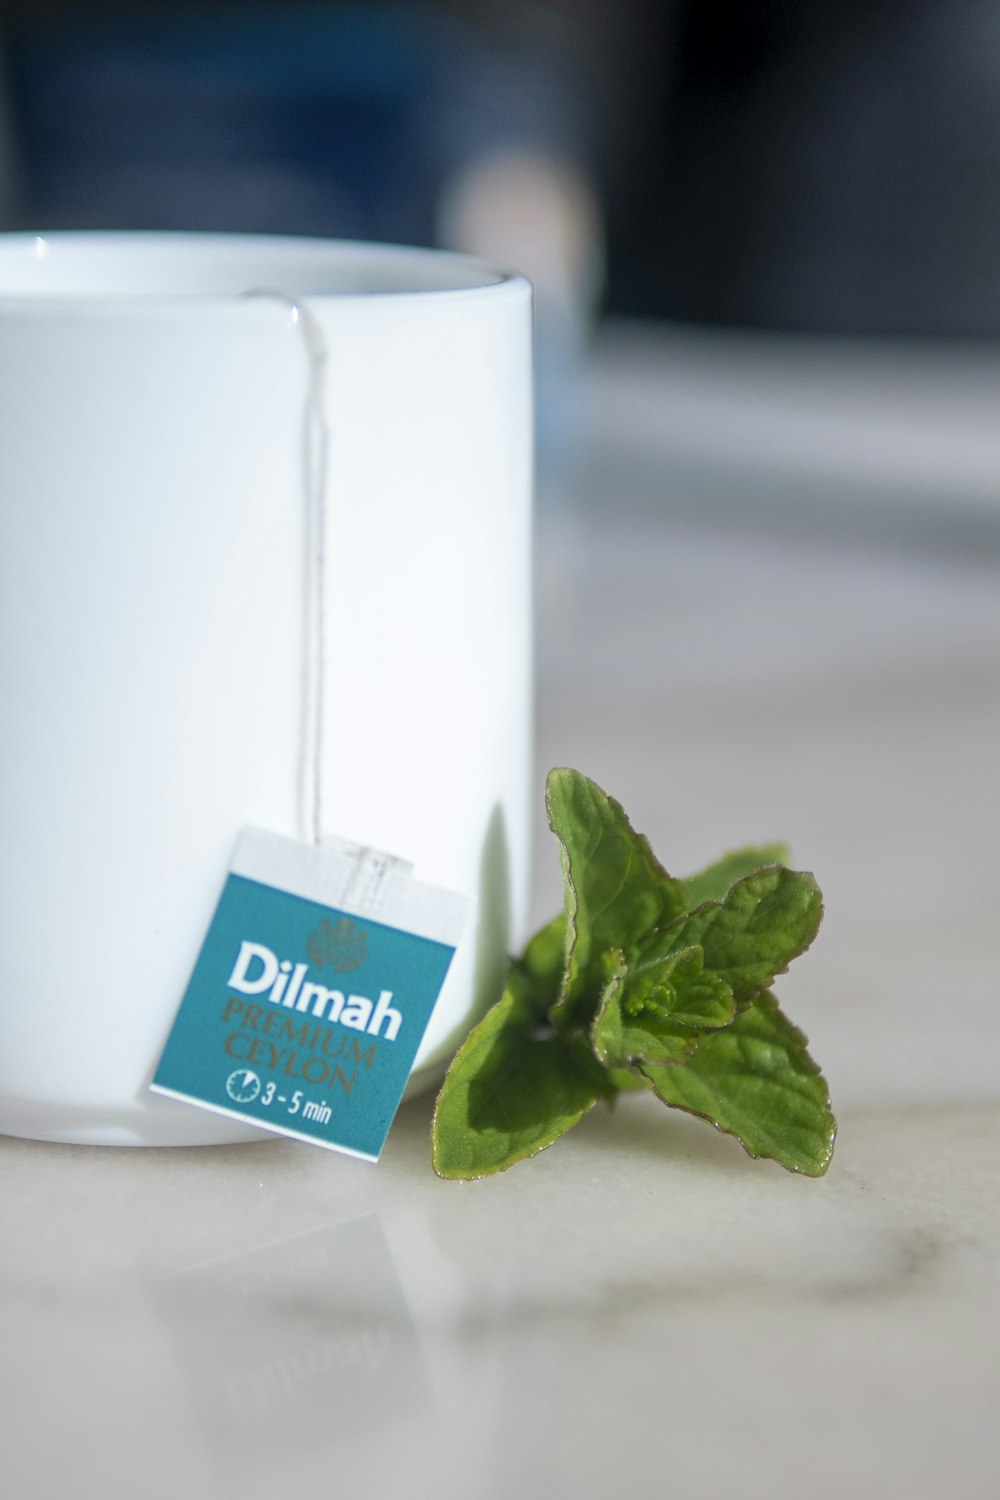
(312, 991)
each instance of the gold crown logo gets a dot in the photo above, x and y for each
(341, 945)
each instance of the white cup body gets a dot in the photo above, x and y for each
(152, 567)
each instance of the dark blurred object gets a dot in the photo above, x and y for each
(830, 166)
(335, 119)
(391, 122)
(7, 205)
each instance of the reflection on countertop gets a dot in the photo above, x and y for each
(288, 1349)
(643, 1282)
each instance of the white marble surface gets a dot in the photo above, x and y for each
(642, 1309)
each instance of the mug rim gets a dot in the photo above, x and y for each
(448, 275)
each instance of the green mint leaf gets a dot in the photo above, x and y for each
(616, 1040)
(626, 1081)
(542, 963)
(751, 935)
(619, 1040)
(682, 987)
(756, 1081)
(643, 982)
(617, 892)
(657, 1016)
(511, 1090)
(713, 883)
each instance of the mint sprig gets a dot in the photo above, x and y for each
(643, 982)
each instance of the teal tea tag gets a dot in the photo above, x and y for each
(312, 991)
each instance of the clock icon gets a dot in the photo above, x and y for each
(243, 1085)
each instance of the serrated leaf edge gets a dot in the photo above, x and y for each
(745, 1004)
(453, 1066)
(765, 864)
(558, 1010)
(447, 1176)
(698, 1114)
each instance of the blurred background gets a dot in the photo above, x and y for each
(765, 241)
(826, 167)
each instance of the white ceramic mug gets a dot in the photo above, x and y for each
(152, 550)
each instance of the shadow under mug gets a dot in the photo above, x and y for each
(153, 541)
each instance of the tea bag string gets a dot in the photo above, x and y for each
(315, 457)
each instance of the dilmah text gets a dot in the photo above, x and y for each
(258, 971)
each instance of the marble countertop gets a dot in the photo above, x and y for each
(737, 657)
